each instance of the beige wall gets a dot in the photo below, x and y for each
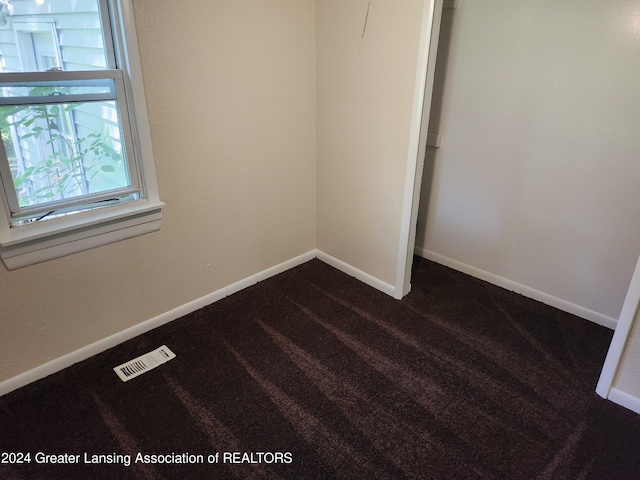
(230, 87)
(366, 88)
(537, 178)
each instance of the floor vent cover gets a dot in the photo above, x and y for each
(144, 363)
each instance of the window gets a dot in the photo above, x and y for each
(76, 167)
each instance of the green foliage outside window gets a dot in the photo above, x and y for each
(69, 163)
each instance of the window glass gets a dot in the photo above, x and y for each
(57, 91)
(51, 35)
(60, 159)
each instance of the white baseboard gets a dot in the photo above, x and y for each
(624, 399)
(120, 337)
(100, 346)
(359, 274)
(543, 297)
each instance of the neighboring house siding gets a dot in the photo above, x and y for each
(79, 45)
(9, 51)
(78, 33)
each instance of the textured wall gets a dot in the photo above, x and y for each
(230, 88)
(366, 81)
(537, 179)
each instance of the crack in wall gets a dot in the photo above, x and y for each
(366, 19)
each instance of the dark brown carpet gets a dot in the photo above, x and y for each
(315, 375)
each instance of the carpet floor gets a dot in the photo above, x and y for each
(313, 375)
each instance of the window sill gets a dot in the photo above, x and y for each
(31, 244)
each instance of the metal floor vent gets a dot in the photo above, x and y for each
(144, 363)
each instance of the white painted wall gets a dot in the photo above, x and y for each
(536, 183)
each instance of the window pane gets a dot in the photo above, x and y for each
(54, 90)
(63, 151)
(52, 35)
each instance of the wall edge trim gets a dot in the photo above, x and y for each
(530, 292)
(624, 399)
(418, 133)
(88, 351)
(621, 336)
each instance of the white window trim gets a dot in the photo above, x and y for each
(65, 235)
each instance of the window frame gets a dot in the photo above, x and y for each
(114, 79)
(56, 237)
